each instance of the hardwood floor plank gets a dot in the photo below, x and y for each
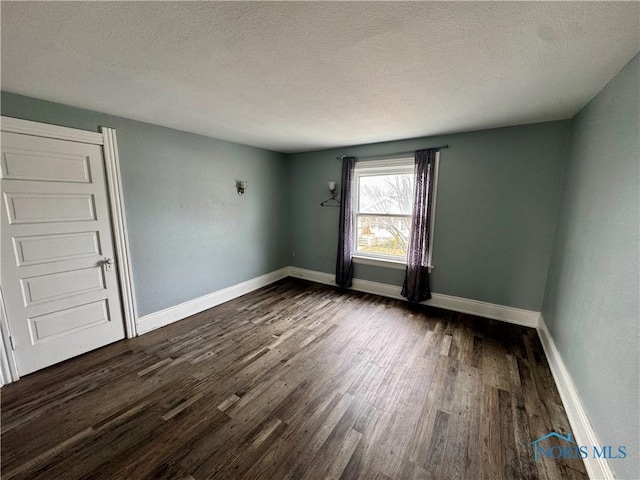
(436, 447)
(463, 425)
(510, 464)
(522, 435)
(492, 449)
(183, 405)
(251, 452)
(424, 428)
(344, 454)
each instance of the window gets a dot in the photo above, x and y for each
(383, 206)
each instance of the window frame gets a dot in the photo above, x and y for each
(389, 166)
(376, 168)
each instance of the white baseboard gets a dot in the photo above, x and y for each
(183, 310)
(169, 315)
(517, 316)
(583, 432)
(313, 276)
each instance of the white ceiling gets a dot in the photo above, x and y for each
(295, 76)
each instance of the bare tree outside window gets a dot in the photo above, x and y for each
(383, 216)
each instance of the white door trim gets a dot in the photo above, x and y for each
(8, 368)
(36, 129)
(119, 227)
(108, 140)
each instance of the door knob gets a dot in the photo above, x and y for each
(108, 264)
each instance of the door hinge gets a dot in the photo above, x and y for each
(12, 342)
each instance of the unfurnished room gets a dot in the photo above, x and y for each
(320, 240)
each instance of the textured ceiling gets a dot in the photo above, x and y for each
(294, 76)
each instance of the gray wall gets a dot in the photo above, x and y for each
(591, 303)
(498, 193)
(190, 232)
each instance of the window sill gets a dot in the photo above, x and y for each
(382, 262)
(379, 262)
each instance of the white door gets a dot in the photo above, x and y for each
(58, 274)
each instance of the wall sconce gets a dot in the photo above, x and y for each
(333, 201)
(241, 186)
(332, 189)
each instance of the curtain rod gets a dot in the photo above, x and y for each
(394, 154)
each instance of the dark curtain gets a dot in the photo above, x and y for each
(344, 263)
(416, 280)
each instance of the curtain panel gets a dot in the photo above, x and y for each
(416, 281)
(344, 262)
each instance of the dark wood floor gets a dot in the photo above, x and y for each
(295, 380)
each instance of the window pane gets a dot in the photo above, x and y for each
(386, 193)
(383, 235)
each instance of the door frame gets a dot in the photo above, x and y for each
(107, 139)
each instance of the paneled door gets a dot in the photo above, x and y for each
(59, 275)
